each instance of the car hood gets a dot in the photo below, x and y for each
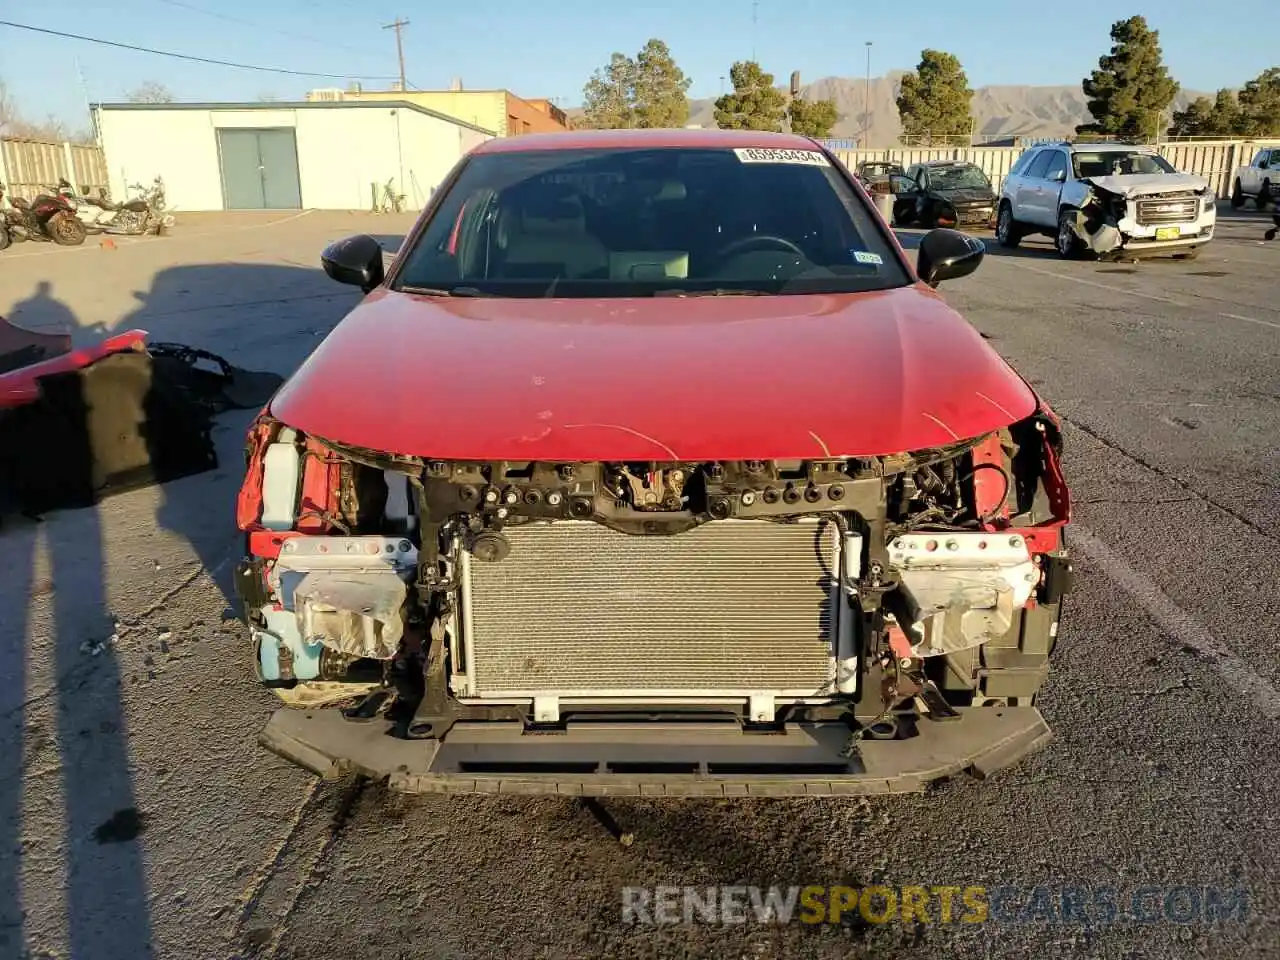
(1148, 184)
(697, 378)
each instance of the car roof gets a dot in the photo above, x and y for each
(947, 163)
(645, 139)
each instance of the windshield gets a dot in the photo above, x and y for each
(660, 222)
(959, 177)
(1114, 163)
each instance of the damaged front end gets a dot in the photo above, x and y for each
(837, 625)
(1112, 219)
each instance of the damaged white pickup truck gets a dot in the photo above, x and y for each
(1108, 200)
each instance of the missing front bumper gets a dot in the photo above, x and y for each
(639, 759)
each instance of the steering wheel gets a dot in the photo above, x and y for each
(756, 239)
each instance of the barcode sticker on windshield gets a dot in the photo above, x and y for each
(773, 155)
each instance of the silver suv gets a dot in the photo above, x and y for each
(1107, 199)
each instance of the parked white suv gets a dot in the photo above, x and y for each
(1109, 199)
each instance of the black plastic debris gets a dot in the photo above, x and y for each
(127, 420)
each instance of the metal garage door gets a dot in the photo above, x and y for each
(259, 169)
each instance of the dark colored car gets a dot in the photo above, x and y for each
(878, 175)
(652, 465)
(944, 193)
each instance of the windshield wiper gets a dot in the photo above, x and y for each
(444, 291)
(718, 292)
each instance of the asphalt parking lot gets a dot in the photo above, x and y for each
(139, 817)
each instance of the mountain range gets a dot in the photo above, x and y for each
(999, 111)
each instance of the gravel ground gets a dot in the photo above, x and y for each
(140, 818)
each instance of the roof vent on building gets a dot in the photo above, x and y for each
(456, 84)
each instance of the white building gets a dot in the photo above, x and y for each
(281, 156)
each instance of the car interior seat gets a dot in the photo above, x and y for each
(545, 235)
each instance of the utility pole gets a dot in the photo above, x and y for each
(397, 27)
(866, 104)
(755, 20)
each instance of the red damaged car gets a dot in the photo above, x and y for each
(653, 466)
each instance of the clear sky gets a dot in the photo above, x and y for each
(550, 49)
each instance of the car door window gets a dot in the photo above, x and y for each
(1057, 165)
(1020, 165)
(1261, 159)
(1038, 166)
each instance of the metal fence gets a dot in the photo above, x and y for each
(1215, 160)
(28, 167)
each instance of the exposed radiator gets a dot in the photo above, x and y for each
(731, 608)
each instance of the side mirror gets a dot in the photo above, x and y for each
(1060, 177)
(948, 255)
(354, 260)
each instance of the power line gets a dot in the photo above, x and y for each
(258, 26)
(189, 57)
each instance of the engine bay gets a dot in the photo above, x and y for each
(372, 575)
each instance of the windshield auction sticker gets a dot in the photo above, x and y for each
(772, 155)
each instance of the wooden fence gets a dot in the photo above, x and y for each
(28, 167)
(1215, 160)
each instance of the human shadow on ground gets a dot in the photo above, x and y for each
(85, 735)
(261, 317)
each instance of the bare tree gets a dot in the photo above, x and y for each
(151, 91)
(9, 117)
(13, 124)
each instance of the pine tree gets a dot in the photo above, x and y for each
(1260, 105)
(1131, 88)
(754, 104)
(648, 90)
(661, 91)
(1220, 117)
(608, 97)
(934, 101)
(1194, 120)
(812, 118)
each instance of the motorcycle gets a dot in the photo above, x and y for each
(143, 214)
(47, 217)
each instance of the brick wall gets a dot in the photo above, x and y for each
(533, 116)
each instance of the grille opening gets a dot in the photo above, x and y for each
(656, 766)
(1165, 210)
(519, 766)
(673, 717)
(790, 769)
(659, 768)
